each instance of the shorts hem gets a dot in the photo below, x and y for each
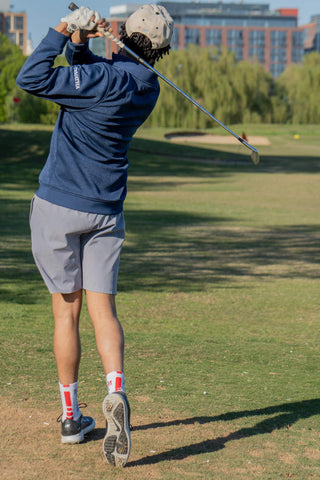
(64, 292)
(101, 290)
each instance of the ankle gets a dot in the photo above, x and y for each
(115, 382)
(69, 400)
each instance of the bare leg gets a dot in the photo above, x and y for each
(108, 330)
(110, 344)
(67, 348)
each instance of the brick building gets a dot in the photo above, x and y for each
(13, 25)
(312, 35)
(252, 31)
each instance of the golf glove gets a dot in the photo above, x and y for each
(81, 19)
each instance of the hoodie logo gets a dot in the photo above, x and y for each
(76, 78)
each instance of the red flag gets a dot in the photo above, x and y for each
(16, 100)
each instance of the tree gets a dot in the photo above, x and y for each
(253, 87)
(232, 91)
(11, 61)
(299, 86)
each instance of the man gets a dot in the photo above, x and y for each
(76, 215)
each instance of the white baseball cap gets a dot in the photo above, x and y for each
(153, 21)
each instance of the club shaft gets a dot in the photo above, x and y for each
(118, 42)
(185, 95)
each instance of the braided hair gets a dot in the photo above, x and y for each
(142, 46)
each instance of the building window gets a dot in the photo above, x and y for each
(213, 37)
(257, 52)
(98, 46)
(217, 22)
(297, 55)
(278, 55)
(20, 39)
(235, 37)
(238, 51)
(175, 39)
(278, 38)
(18, 23)
(203, 21)
(192, 36)
(12, 37)
(316, 42)
(8, 24)
(276, 69)
(234, 22)
(257, 22)
(282, 22)
(256, 37)
(297, 39)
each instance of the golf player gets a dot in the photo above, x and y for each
(76, 215)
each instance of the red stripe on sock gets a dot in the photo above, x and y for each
(118, 384)
(67, 398)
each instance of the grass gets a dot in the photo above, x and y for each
(219, 299)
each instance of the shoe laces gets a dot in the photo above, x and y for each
(81, 405)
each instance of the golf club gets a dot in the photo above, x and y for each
(254, 152)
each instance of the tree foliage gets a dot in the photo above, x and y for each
(234, 92)
(11, 60)
(301, 90)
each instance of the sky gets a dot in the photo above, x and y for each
(42, 14)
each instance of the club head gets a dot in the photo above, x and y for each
(255, 157)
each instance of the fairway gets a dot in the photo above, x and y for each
(219, 299)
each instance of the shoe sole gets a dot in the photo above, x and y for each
(79, 437)
(117, 441)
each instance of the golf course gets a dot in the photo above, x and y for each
(218, 295)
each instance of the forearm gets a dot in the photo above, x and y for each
(78, 53)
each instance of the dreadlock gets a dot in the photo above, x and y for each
(142, 46)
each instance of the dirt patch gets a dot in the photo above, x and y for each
(165, 447)
(31, 448)
(216, 139)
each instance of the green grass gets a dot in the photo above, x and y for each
(218, 296)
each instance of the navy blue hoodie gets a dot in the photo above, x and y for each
(103, 102)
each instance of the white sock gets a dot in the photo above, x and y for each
(115, 382)
(69, 399)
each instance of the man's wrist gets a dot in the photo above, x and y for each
(79, 37)
(62, 28)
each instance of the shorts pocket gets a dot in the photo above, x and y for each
(31, 208)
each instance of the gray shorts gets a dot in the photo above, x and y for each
(75, 250)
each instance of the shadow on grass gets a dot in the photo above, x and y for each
(182, 252)
(279, 417)
(222, 162)
(19, 279)
(168, 249)
(22, 156)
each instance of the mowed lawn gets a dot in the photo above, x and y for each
(219, 299)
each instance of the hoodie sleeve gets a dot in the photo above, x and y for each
(80, 54)
(77, 87)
